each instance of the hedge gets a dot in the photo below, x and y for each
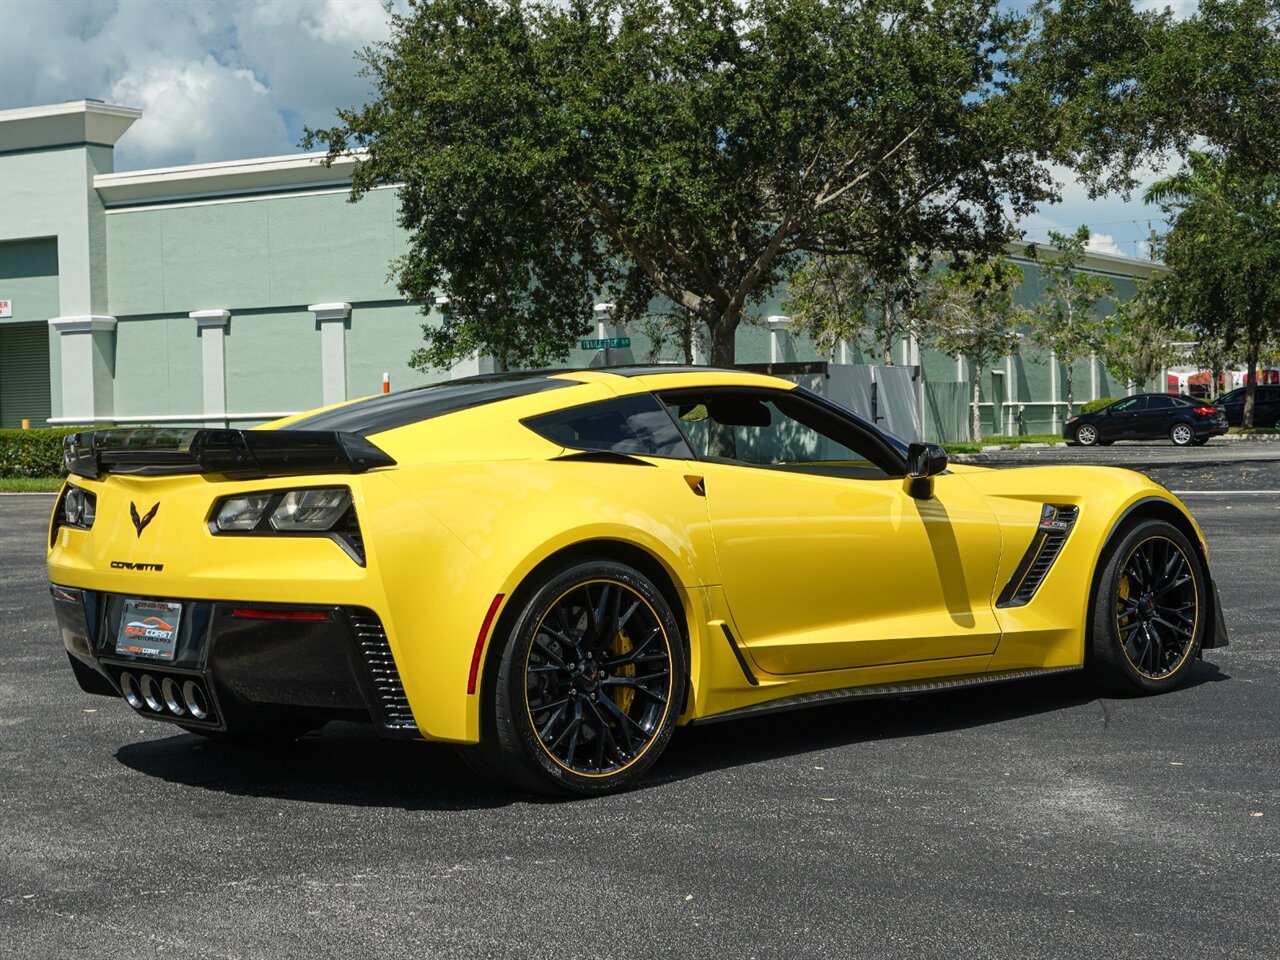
(1098, 404)
(32, 453)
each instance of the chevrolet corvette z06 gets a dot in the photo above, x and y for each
(555, 570)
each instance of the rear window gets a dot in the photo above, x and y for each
(636, 425)
(392, 410)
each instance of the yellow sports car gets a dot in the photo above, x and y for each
(554, 570)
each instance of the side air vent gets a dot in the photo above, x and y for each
(1054, 528)
(375, 652)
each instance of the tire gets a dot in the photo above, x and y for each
(1086, 434)
(588, 689)
(1182, 434)
(1146, 643)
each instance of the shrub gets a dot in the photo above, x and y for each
(32, 453)
(1098, 404)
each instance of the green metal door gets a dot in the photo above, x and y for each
(24, 374)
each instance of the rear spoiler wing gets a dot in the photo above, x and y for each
(242, 454)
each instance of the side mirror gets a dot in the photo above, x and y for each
(924, 462)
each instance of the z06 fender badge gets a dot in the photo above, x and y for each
(129, 565)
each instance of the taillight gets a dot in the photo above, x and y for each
(303, 511)
(1206, 411)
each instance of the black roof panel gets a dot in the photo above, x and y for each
(391, 410)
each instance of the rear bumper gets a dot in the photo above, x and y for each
(244, 666)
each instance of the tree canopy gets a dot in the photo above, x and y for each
(973, 315)
(1063, 320)
(1223, 253)
(1120, 88)
(697, 150)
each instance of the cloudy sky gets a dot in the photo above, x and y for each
(226, 79)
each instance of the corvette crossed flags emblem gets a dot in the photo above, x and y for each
(140, 523)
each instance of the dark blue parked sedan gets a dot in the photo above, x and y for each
(1148, 416)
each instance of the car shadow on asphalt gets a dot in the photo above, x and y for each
(349, 765)
(774, 736)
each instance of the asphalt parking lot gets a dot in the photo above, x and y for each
(1023, 821)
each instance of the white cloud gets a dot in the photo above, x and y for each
(197, 111)
(216, 79)
(1103, 243)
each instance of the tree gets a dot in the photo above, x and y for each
(973, 315)
(1118, 88)
(1223, 253)
(1143, 338)
(1063, 320)
(671, 326)
(553, 153)
(843, 298)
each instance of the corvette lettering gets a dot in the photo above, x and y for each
(130, 565)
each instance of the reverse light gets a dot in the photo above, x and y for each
(79, 508)
(242, 513)
(311, 510)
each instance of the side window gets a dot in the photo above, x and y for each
(1160, 403)
(1181, 402)
(777, 430)
(1131, 405)
(636, 425)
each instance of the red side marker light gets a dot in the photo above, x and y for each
(251, 613)
(484, 633)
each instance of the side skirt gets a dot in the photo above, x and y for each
(881, 690)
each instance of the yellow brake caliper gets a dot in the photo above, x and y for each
(1123, 591)
(620, 647)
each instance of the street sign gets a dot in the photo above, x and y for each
(609, 343)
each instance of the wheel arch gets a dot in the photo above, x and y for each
(625, 552)
(1152, 508)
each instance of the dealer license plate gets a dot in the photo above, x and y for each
(149, 628)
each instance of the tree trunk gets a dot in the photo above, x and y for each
(1251, 384)
(686, 339)
(723, 349)
(977, 413)
(1071, 391)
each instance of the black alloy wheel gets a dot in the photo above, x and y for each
(1086, 434)
(1149, 621)
(1182, 434)
(590, 684)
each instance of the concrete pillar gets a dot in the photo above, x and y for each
(211, 328)
(1053, 392)
(87, 347)
(332, 321)
(843, 354)
(779, 333)
(1010, 397)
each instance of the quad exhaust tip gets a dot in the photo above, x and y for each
(168, 695)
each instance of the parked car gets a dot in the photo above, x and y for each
(1148, 416)
(556, 569)
(1266, 406)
